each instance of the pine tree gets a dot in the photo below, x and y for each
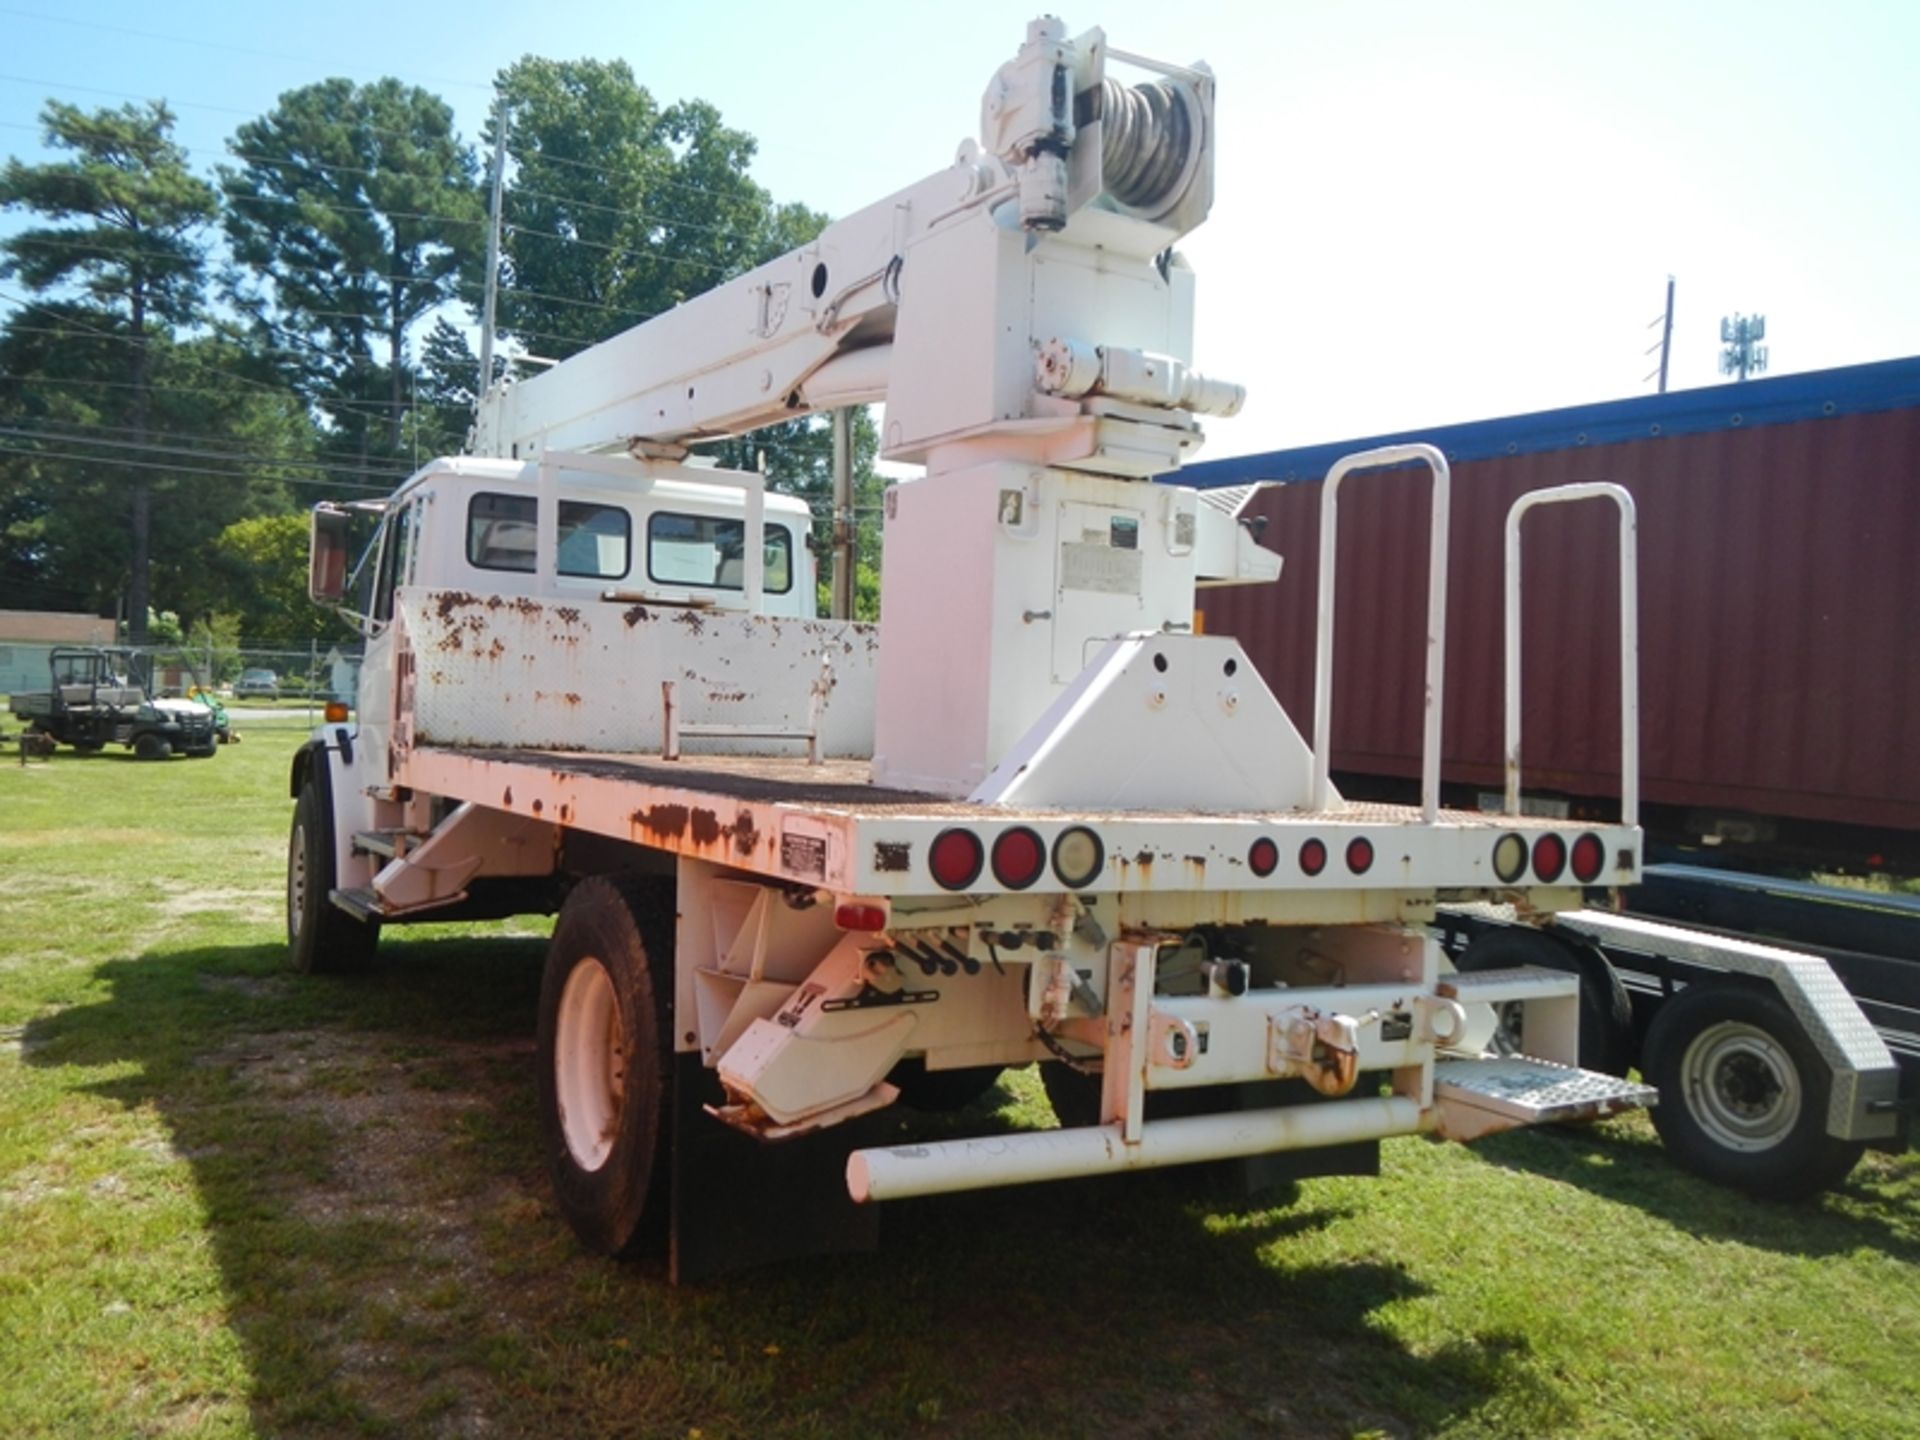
(136, 255)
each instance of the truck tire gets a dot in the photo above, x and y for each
(1606, 1014)
(151, 747)
(1743, 1093)
(605, 1059)
(939, 1092)
(322, 939)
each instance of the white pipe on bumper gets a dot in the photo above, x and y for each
(900, 1172)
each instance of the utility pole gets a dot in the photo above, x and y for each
(493, 244)
(843, 528)
(1665, 344)
(1741, 353)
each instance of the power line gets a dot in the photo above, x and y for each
(118, 464)
(322, 460)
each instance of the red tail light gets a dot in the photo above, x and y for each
(1313, 857)
(858, 915)
(1359, 855)
(955, 858)
(1019, 858)
(1263, 857)
(1589, 858)
(1549, 858)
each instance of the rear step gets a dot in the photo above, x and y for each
(364, 904)
(1502, 1092)
(391, 843)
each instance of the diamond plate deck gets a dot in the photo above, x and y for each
(1532, 1092)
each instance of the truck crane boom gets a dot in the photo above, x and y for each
(1045, 248)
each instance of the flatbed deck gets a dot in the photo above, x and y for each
(830, 825)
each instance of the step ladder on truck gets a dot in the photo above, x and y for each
(808, 870)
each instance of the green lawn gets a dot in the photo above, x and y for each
(235, 1202)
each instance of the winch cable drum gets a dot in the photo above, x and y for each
(1146, 144)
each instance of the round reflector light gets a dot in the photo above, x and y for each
(955, 857)
(1313, 857)
(1510, 858)
(1359, 855)
(1078, 857)
(1589, 858)
(1263, 857)
(1019, 858)
(1549, 858)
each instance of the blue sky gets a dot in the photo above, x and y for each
(1427, 212)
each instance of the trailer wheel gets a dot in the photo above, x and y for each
(605, 1051)
(1606, 1014)
(1743, 1093)
(322, 939)
(939, 1092)
(151, 747)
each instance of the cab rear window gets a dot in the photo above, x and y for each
(708, 552)
(595, 541)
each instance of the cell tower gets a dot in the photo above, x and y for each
(1741, 353)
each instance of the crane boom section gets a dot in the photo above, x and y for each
(1029, 289)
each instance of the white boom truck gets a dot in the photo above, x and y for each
(806, 869)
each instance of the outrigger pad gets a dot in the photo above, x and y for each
(739, 1202)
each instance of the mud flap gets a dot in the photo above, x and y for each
(738, 1202)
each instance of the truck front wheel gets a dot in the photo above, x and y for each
(321, 938)
(1743, 1093)
(605, 1051)
(149, 746)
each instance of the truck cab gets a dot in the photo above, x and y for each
(492, 526)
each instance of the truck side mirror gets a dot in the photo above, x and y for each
(327, 555)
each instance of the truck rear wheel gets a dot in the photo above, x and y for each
(1743, 1093)
(151, 747)
(605, 1052)
(322, 939)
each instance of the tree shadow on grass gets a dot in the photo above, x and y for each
(1875, 1207)
(366, 1155)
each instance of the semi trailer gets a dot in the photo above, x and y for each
(807, 871)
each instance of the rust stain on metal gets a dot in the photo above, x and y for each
(669, 822)
(633, 615)
(496, 649)
(568, 614)
(572, 697)
(693, 620)
(725, 697)
(706, 827)
(892, 857)
(537, 806)
(745, 833)
(507, 799)
(1144, 859)
(448, 601)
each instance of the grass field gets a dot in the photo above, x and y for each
(234, 1202)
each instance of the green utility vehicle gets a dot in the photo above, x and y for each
(100, 698)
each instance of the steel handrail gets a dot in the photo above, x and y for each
(1436, 619)
(1629, 637)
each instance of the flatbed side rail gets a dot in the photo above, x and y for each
(1629, 636)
